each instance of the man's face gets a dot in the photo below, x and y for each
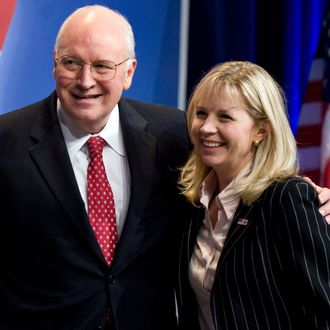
(85, 98)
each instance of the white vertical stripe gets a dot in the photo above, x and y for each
(248, 282)
(310, 114)
(317, 69)
(309, 158)
(235, 272)
(183, 54)
(325, 144)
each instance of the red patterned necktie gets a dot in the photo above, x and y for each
(101, 206)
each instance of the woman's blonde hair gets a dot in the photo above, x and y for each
(274, 158)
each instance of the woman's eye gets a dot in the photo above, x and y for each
(224, 117)
(200, 114)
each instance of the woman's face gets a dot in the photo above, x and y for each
(223, 133)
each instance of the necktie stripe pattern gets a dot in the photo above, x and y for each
(101, 206)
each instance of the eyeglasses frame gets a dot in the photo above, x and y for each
(83, 63)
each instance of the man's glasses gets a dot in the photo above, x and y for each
(102, 70)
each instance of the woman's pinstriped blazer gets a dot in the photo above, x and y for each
(274, 270)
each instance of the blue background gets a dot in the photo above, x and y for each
(26, 60)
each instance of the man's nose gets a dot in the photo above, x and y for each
(85, 77)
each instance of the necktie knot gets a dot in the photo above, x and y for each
(95, 146)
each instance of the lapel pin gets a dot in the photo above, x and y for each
(242, 221)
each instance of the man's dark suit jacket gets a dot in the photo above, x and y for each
(52, 272)
(274, 269)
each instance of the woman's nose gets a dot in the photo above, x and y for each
(208, 126)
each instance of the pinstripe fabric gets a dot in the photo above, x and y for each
(273, 272)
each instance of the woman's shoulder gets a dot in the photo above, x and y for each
(291, 186)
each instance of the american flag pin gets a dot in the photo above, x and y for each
(242, 221)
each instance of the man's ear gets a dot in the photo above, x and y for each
(54, 62)
(129, 74)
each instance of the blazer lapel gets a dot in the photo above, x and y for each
(242, 221)
(51, 157)
(141, 153)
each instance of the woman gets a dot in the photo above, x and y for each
(257, 251)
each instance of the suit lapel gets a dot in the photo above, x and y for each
(141, 153)
(51, 157)
(242, 222)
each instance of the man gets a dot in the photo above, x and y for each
(53, 274)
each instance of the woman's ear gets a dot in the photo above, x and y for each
(263, 130)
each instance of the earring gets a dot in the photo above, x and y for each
(256, 143)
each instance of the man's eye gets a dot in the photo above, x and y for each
(71, 63)
(103, 67)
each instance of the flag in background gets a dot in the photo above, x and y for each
(7, 11)
(313, 134)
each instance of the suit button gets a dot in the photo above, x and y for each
(112, 279)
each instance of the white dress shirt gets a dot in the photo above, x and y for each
(114, 157)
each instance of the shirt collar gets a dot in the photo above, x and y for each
(75, 138)
(226, 199)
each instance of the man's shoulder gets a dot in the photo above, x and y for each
(159, 120)
(30, 110)
(20, 122)
(154, 111)
(148, 105)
